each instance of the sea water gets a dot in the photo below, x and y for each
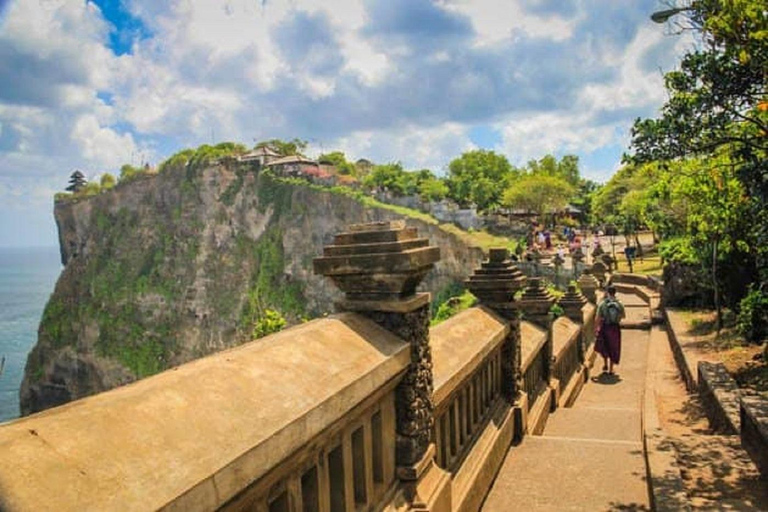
(27, 278)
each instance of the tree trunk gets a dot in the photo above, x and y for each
(639, 252)
(718, 307)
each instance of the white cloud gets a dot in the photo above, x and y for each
(634, 86)
(415, 147)
(548, 80)
(498, 20)
(525, 137)
(102, 146)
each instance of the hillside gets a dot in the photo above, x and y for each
(201, 257)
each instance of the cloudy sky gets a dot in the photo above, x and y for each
(96, 84)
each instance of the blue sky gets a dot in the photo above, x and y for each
(95, 84)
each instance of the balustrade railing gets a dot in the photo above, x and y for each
(534, 383)
(351, 468)
(567, 361)
(588, 330)
(464, 413)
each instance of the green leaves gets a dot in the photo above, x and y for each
(479, 177)
(538, 193)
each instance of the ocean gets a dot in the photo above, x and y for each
(27, 278)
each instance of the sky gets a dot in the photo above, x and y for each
(92, 85)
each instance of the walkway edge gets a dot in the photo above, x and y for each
(665, 485)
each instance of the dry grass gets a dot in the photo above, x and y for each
(651, 265)
(743, 360)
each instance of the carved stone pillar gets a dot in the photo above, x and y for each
(495, 284)
(535, 304)
(572, 303)
(588, 286)
(378, 266)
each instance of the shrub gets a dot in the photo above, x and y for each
(452, 306)
(752, 321)
(107, 181)
(270, 322)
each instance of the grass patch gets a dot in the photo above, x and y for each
(650, 265)
(452, 306)
(481, 239)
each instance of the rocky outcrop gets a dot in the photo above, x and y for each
(168, 268)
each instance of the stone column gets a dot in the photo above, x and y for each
(588, 286)
(572, 303)
(577, 258)
(599, 270)
(558, 262)
(495, 284)
(535, 304)
(378, 267)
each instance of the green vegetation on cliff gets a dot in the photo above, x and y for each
(269, 295)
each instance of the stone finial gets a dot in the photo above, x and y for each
(558, 260)
(607, 260)
(537, 301)
(599, 270)
(378, 266)
(588, 286)
(598, 250)
(572, 302)
(578, 255)
(380, 261)
(497, 280)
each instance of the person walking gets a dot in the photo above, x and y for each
(610, 311)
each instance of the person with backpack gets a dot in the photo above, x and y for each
(608, 329)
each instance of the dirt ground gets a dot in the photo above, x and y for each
(716, 471)
(743, 361)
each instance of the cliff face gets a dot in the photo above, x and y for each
(173, 267)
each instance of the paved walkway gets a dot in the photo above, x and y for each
(590, 456)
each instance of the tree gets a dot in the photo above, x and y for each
(716, 206)
(566, 169)
(538, 193)
(284, 148)
(390, 177)
(128, 172)
(433, 189)
(718, 102)
(107, 181)
(338, 160)
(76, 182)
(479, 177)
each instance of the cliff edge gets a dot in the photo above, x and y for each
(201, 257)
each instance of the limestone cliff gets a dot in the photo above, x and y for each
(168, 268)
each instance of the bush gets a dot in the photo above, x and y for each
(752, 321)
(679, 250)
(270, 322)
(452, 306)
(107, 181)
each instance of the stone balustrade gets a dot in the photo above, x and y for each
(262, 424)
(567, 368)
(368, 409)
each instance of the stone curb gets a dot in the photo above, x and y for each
(683, 364)
(665, 484)
(720, 396)
(754, 430)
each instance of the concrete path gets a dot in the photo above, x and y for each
(590, 457)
